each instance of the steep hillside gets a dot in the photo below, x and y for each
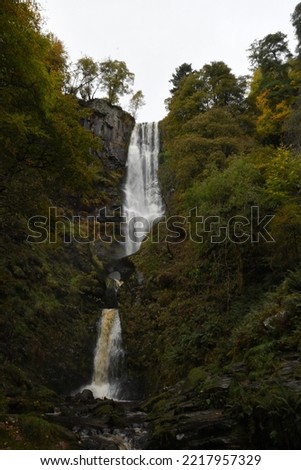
(216, 294)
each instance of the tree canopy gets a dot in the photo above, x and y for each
(43, 144)
(116, 79)
(181, 72)
(113, 77)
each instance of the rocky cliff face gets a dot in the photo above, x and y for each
(114, 126)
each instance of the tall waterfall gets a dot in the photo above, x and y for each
(142, 206)
(142, 202)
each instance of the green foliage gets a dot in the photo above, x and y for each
(270, 53)
(206, 303)
(229, 192)
(43, 144)
(203, 306)
(84, 78)
(111, 76)
(296, 21)
(283, 176)
(212, 86)
(116, 79)
(47, 158)
(181, 72)
(275, 87)
(136, 102)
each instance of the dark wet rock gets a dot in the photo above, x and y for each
(181, 422)
(85, 396)
(204, 411)
(104, 424)
(98, 443)
(227, 411)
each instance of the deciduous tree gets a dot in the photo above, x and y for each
(136, 102)
(84, 78)
(115, 79)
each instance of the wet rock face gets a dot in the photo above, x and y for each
(114, 126)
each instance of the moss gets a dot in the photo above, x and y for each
(261, 358)
(37, 431)
(3, 403)
(159, 406)
(196, 375)
(104, 410)
(163, 432)
(16, 377)
(152, 402)
(113, 414)
(32, 432)
(40, 434)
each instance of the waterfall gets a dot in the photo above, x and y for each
(109, 357)
(142, 206)
(142, 201)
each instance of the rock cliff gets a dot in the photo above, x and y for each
(114, 126)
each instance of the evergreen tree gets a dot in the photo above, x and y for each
(181, 72)
(296, 21)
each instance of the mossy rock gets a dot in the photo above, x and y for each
(261, 358)
(20, 394)
(40, 434)
(164, 432)
(112, 414)
(104, 410)
(160, 405)
(30, 432)
(196, 375)
(13, 376)
(151, 403)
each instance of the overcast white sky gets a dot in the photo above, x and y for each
(154, 37)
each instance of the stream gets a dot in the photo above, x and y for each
(98, 415)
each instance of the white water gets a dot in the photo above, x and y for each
(142, 206)
(142, 202)
(109, 357)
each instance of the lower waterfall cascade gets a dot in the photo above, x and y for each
(109, 357)
(142, 203)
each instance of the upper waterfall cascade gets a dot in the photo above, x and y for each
(142, 201)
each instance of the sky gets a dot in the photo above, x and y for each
(154, 37)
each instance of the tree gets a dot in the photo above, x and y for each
(84, 78)
(181, 72)
(115, 79)
(296, 21)
(136, 102)
(43, 147)
(272, 90)
(212, 86)
(221, 86)
(271, 53)
(292, 126)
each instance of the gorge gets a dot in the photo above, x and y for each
(210, 326)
